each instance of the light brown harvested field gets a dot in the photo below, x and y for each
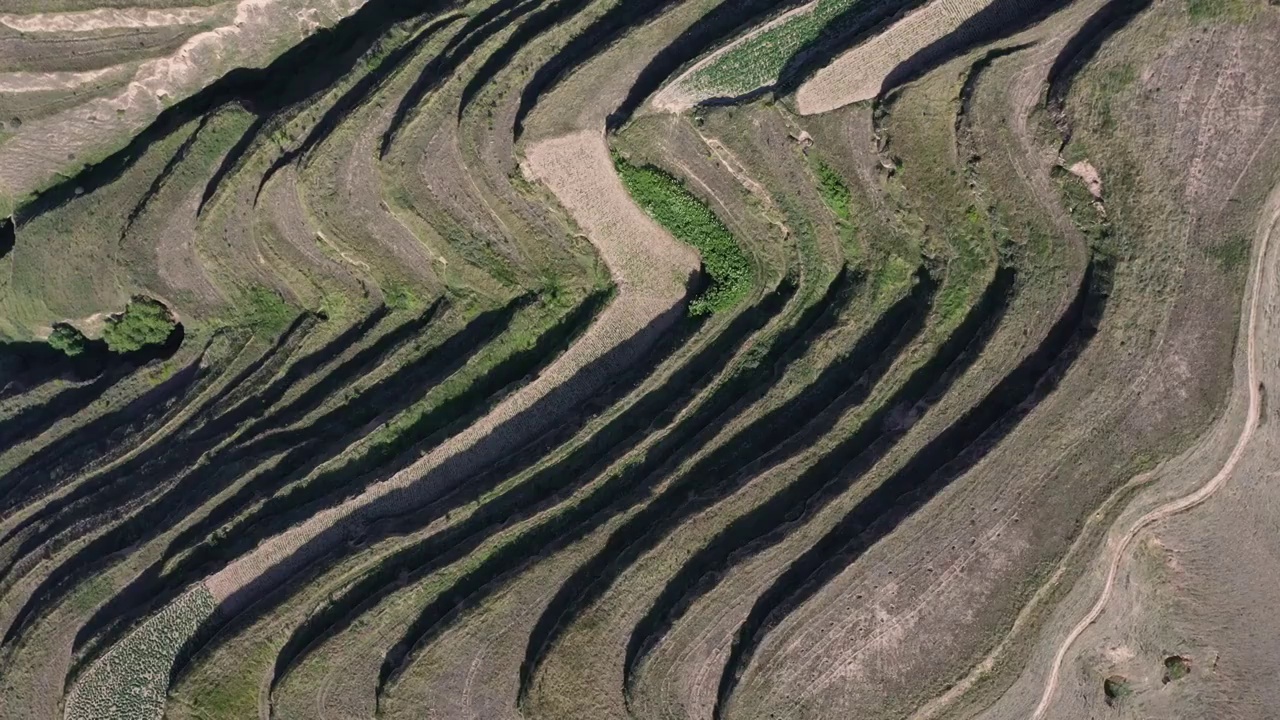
(860, 73)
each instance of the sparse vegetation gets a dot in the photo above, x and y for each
(1234, 11)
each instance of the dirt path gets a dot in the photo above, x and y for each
(649, 269)
(109, 19)
(1266, 230)
(54, 81)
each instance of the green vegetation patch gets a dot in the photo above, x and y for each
(145, 321)
(1229, 11)
(757, 62)
(265, 312)
(835, 193)
(1231, 255)
(687, 217)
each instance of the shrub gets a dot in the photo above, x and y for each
(399, 296)
(1116, 688)
(1176, 667)
(68, 339)
(144, 322)
(685, 216)
(265, 312)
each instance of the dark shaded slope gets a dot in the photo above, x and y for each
(264, 365)
(540, 490)
(110, 369)
(779, 433)
(216, 418)
(593, 40)
(726, 20)
(333, 486)
(999, 19)
(768, 523)
(34, 420)
(619, 492)
(477, 30)
(946, 457)
(296, 452)
(1080, 49)
(551, 485)
(165, 173)
(529, 30)
(8, 236)
(353, 98)
(106, 438)
(163, 484)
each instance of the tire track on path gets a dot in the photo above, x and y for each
(1196, 497)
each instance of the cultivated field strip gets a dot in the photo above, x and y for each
(599, 359)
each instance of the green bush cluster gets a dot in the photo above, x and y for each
(835, 194)
(685, 216)
(68, 339)
(144, 322)
(265, 312)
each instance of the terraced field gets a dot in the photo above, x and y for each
(705, 359)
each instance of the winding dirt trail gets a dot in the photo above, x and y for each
(1186, 502)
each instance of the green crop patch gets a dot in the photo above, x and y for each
(688, 218)
(757, 61)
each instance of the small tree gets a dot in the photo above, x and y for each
(68, 339)
(1116, 688)
(144, 322)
